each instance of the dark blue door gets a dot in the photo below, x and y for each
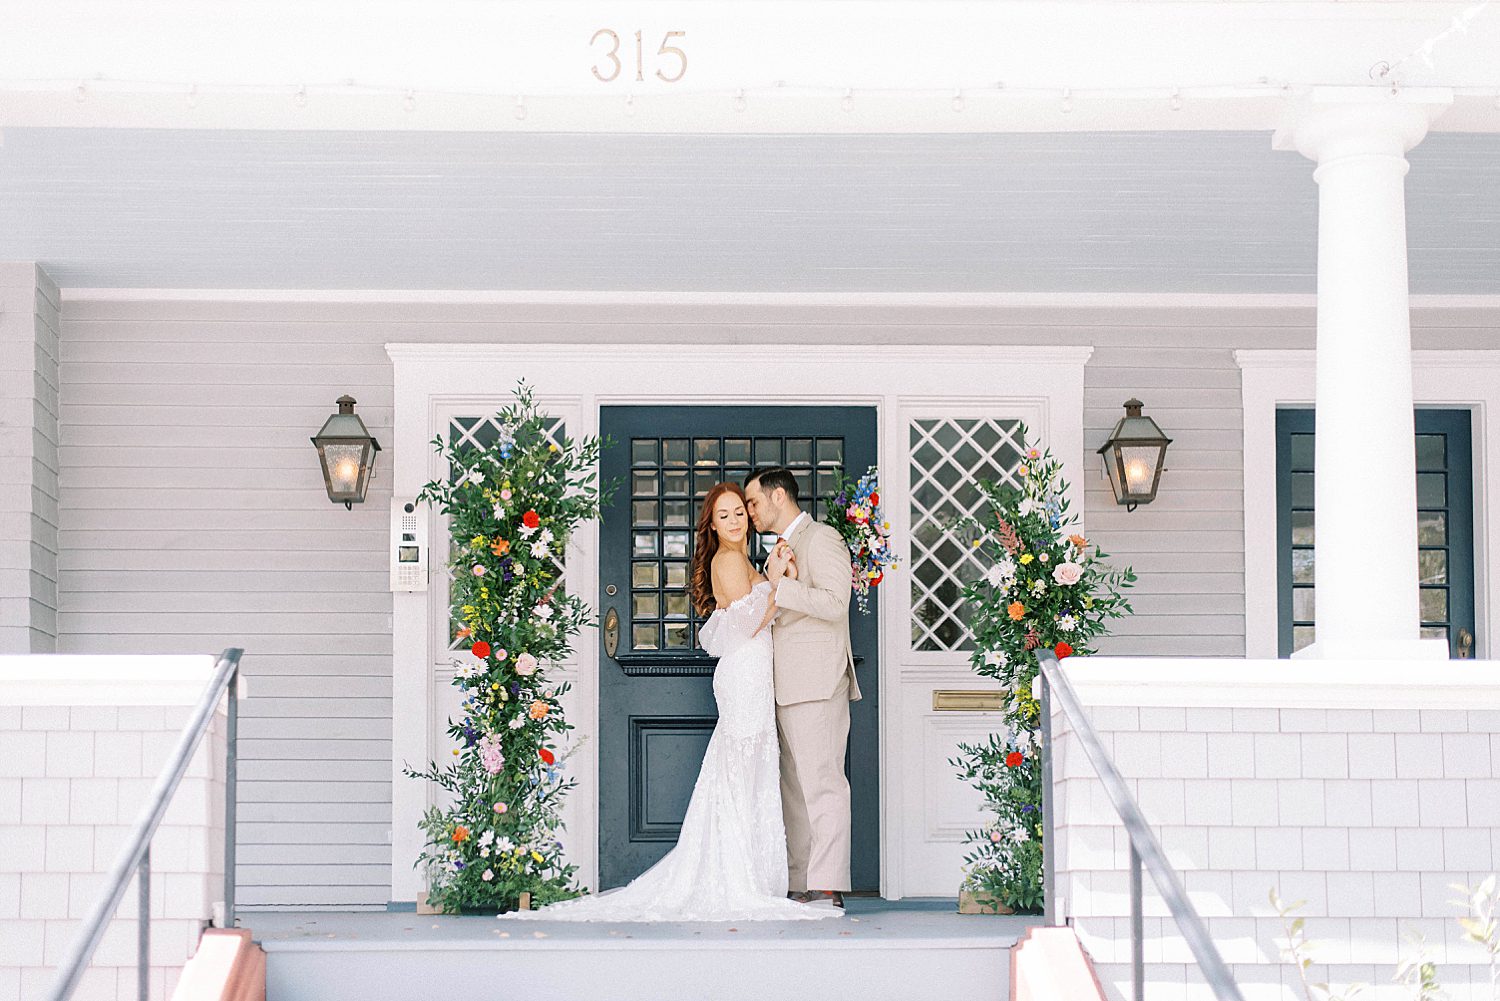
(656, 707)
(1445, 527)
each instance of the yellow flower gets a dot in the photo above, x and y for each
(538, 855)
(477, 542)
(551, 447)
(1027, 559)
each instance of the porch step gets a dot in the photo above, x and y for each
(904, 950)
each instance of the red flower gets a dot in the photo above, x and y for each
(547, 756)
(1014, 759)
(875, 580)
(874, 499)
(480, 649)
(1062, 650)
(530, 519)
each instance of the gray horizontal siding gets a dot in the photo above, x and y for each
(193, 517)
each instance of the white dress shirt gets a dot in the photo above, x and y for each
(787, 534)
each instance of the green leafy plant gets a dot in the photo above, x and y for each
(512, 507)
(1299, 952)
(1043, 588)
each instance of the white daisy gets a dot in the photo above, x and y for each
(539, 549)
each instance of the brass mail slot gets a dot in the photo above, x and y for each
(967, 702)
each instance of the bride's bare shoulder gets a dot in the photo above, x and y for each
(730, 567)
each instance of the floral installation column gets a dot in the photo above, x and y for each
(1043, 588)
(512, 506)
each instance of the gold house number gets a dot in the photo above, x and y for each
(670, 56)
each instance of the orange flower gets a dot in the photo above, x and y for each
(539, 709)
(500, 547)
(460, 834)
(1079, 541)
(464, 632)
(1016, 610)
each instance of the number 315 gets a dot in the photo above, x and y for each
(613, 56)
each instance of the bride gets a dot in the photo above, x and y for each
(730, 860)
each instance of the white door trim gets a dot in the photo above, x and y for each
(1270, 379)
(1043, 384)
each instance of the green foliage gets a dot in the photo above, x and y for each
(512, 508)
(1042, 588)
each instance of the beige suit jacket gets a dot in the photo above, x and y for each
(811, 635)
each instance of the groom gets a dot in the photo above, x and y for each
(814, 677)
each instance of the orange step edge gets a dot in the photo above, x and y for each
(227, 966)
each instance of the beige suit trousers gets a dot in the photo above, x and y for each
(815, 792)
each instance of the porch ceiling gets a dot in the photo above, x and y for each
(1201, 212)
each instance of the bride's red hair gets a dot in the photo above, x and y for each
(706, 545)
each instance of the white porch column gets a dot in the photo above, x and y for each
(1366, 541)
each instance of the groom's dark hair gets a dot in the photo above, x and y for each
(775, 477)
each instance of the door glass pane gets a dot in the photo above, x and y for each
(1302, 604)
(677, 635)
(643, 484)
(1432, 565)
(1435, 632)
(706, 452)
(645, 606)
(677, 604)
(736, 451)
(676, 513)
(768, 451)
(1434, 604)
(674, 483)
(1432, 528)
(799, 451)
(703, 483)
(643, 513)
(677, 575)
(643, 544)
(1432, 489)
(1302, 566)
(1302, 453)
(1302, 490)
(830, 451)
(674, 452)
(1302, 528)
(644, 574)
(643, 451)
(1431, 452)
(644, 636)
(674, 543)
(1302, 636)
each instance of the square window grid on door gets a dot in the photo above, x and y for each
(669, 479)
(1432, 537)
(949, 456)
(466, 433)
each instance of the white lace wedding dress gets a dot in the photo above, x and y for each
(730, 859)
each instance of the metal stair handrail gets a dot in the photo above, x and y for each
(1144, 848)
(135, 855)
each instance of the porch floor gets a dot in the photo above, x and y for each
(896, 949)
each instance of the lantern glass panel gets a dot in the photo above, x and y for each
(344, 464)
(1139, 462)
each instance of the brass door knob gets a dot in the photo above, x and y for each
(611, 632)
(1465, 645)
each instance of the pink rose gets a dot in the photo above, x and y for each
(1067, 573)
(526, 665)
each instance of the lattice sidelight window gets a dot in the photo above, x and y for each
(483, 432)
(949, 456)
(669, 479)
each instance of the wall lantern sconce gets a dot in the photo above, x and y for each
(1134, 457)
(347, 452)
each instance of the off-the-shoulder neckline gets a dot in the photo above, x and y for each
(743, 596)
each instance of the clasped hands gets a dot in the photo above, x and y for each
(781, 563)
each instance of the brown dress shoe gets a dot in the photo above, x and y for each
(832, 897)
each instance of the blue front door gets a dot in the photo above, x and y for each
(656, 707)
(1445, 527)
